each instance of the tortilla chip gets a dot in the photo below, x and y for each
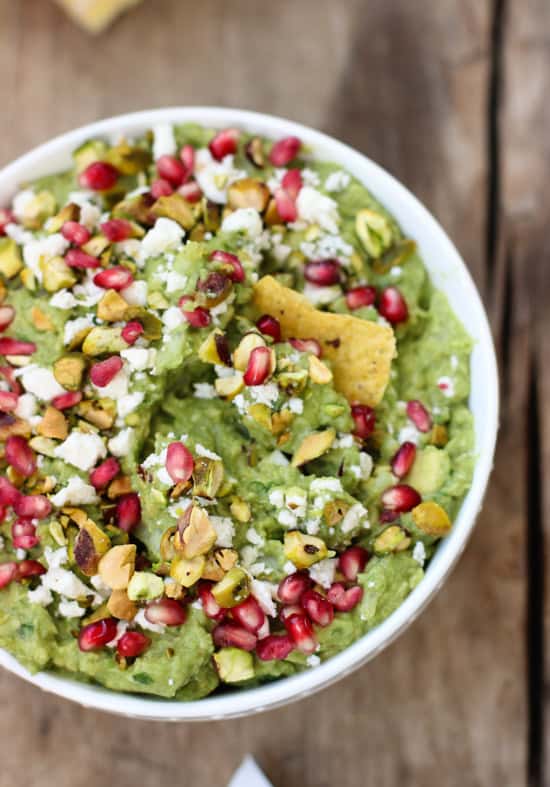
(95, 15)
(361, 352)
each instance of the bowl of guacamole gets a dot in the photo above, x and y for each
(248, 407)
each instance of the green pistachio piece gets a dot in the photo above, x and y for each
(152, 326)
(232, 589)
(389, 540)
(56, 274)
(69, 371)
(10, 258)
(234, 665)
(145, 586)
(37, 210)
(374, 231)
(70, 212)
(90, 151)
(104, 340)
(304, 550)
(207, 477)
(174, 207)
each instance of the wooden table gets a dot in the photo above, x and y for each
(452, 97)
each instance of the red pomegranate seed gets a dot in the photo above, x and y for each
(6, 217)
(360, 296)
(387, 516)
(224, 143)
(210, 606)
(116, 230)
(190, 191)
(292, 587)
(8, 373)
(23, 534)
(323, 273)
(128, 511)
(132, 331)
(318, 608)
(292, 183)
(7, 313)
(418, 414)
(179, 462)
(104, 473)
(274, 648)
(32, 506)
(293, 609)
(76, 258)
(403, 459)
(269, 326)
(8, 572)
(166, 611)
(187, 155)
(132, 644)
(96, 635)
(76, 233)
(365, 420)
(284, 151)
(249, 615)
(9, 494)
(161, 188)
(15, 347)
(301, 633)
(20, 455)
(197, 317)
(344, 600)
(259, 366)
(171, 169)
(393, 306)
(8, 401)
(66, 400)
(352, 562)
(231, 635)
(226, 258)
(99, 176)
(400, 498)
(117, 278)
(286, 207)
(103, 372)
(29, 568)
(307, 346)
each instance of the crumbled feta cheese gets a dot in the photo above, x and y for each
(295, 405)
(310, 177)
(366, 464)
(278, 458)
(225, 530)
(81, 450)
(40, 595)
(312, 526)
(74, 327)
(204, 391)
(325, 485)
(254, 537)
(59, 579)
(215, 176)
(26, 406)
(43, 249)
(323, 572)
(88, 292)
(174, 281)
(454, 361)
(277, 498)
(77, 492)
(263, 592)
(128, 403)
(296, 500)
(264, 394)
(419, 553)
(139, 358)
(18, 234)
(120, 444)
(316, 208)
(136, 293)
(172, 318)
(166, 234)
(286, 518)
(164, 141)
(245, 220)
(100, 587)
(408, 433)
(117, 388)
(202, 451)
(40, 382)
(70, 609)
(63, 299)
(313, 661)
(21, 203)
(353, 518)
(337, 181)
(343, 441)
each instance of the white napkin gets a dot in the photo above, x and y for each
(249, 775)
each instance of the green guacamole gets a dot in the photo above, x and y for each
(188, 500)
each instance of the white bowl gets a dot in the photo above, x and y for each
(448, 273)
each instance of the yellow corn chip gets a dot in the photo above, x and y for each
(95, 15)
(361, 352)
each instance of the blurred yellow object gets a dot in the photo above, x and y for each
(95, 15)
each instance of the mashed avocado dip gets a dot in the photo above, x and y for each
(188, 495)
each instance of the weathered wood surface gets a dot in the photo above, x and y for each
(420, 88)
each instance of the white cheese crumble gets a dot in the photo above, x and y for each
(40, 382)
(264, 394)
(319, 296)
(164, 141)
(278, 458)
(419, 553)
(263, 592)
(166, 234)
(337, 181)
(120, 444)
(81, 450)
(128, 403)
(26, 406)
(77, 492)
(21, 203)
(313, 661)
(245, 220)
(323, 572)
(254, 537)
(325, 485)
(355, 516)
(74, 327)
(60, 580)
(136, 293)
(63, 299)
(202, 451)
(277, 498)
(117, 388)
(295, 405)
(70, 609)
(317, 208)
(204, 391)
(139, 358)
(215, 176)
(225, 530)
(408, 434)
(172, 318)
(43, 249)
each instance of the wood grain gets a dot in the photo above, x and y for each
(409, 84)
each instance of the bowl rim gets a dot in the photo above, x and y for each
(285, 690)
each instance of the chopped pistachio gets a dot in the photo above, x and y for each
(198, 537)
(120, 606)
(56, 274)
(12, 425)
(40, 320)
(37, 210)
(187, 571)
(112, 307)
(119, 486)
(248, 193)
(208, 350)
(439, 436)
(174, 207)
(234, 665)
(57, 533)
(28, 280)
(70, 212)
(145, 586)
(229, 387)
(242, 353)
(91, 543)
(232, 589)
(313, 446)
(431, 518)
(374, 231)
(389, 540)
(53, 424)
(207, 477)
(43, 445)
(304, 550)
(96, 245)
(152, 326)
(117, 566)
(240, 510)
(281, 421)
(261, 414)
(334, 511)
(99, 412)
(219, 563)
(319, 371)
(104, 340)
(128, 159)
(10, 258)
(174, 590)
(69, 371)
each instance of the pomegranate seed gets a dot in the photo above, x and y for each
(418, 415)
(9, 494)
(132, 644)
(259, 366)
(161, 188)
(286, 208)
(307, 346)
(172, 169)
(365, 420)
(360, 296)
(96, 635)
(8, 373)
(66, 400)
(3, 513)
(292, 183)
(284, 151)
(76, 258)
(132, 331)
(301, 633)
(32, 506)
(99, 176)
(128, 511)
(8, 572)
(187, 155)
(76, 233)
(275, 647)
(400, 498)
(190, 191)
(15, 347)
(269, 326)
(231, 635)
(292, 587)
(29, 568)
(6, 217)
(224, 143)
(344, 600)
(198, 317)
(249, 615)
(23, 534)
(293, 609)
(104, 473)
(318, 608)
(393, 306)
(7, 313)
(210, 606)
(225, 257)
(167, 611)
(20, 455)
(103, 372)
(8, 401)
(323, 273)
(387, 516)
(352, 562)
(117, 278)
(403, 459)
(116, 230)
(179, 462)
